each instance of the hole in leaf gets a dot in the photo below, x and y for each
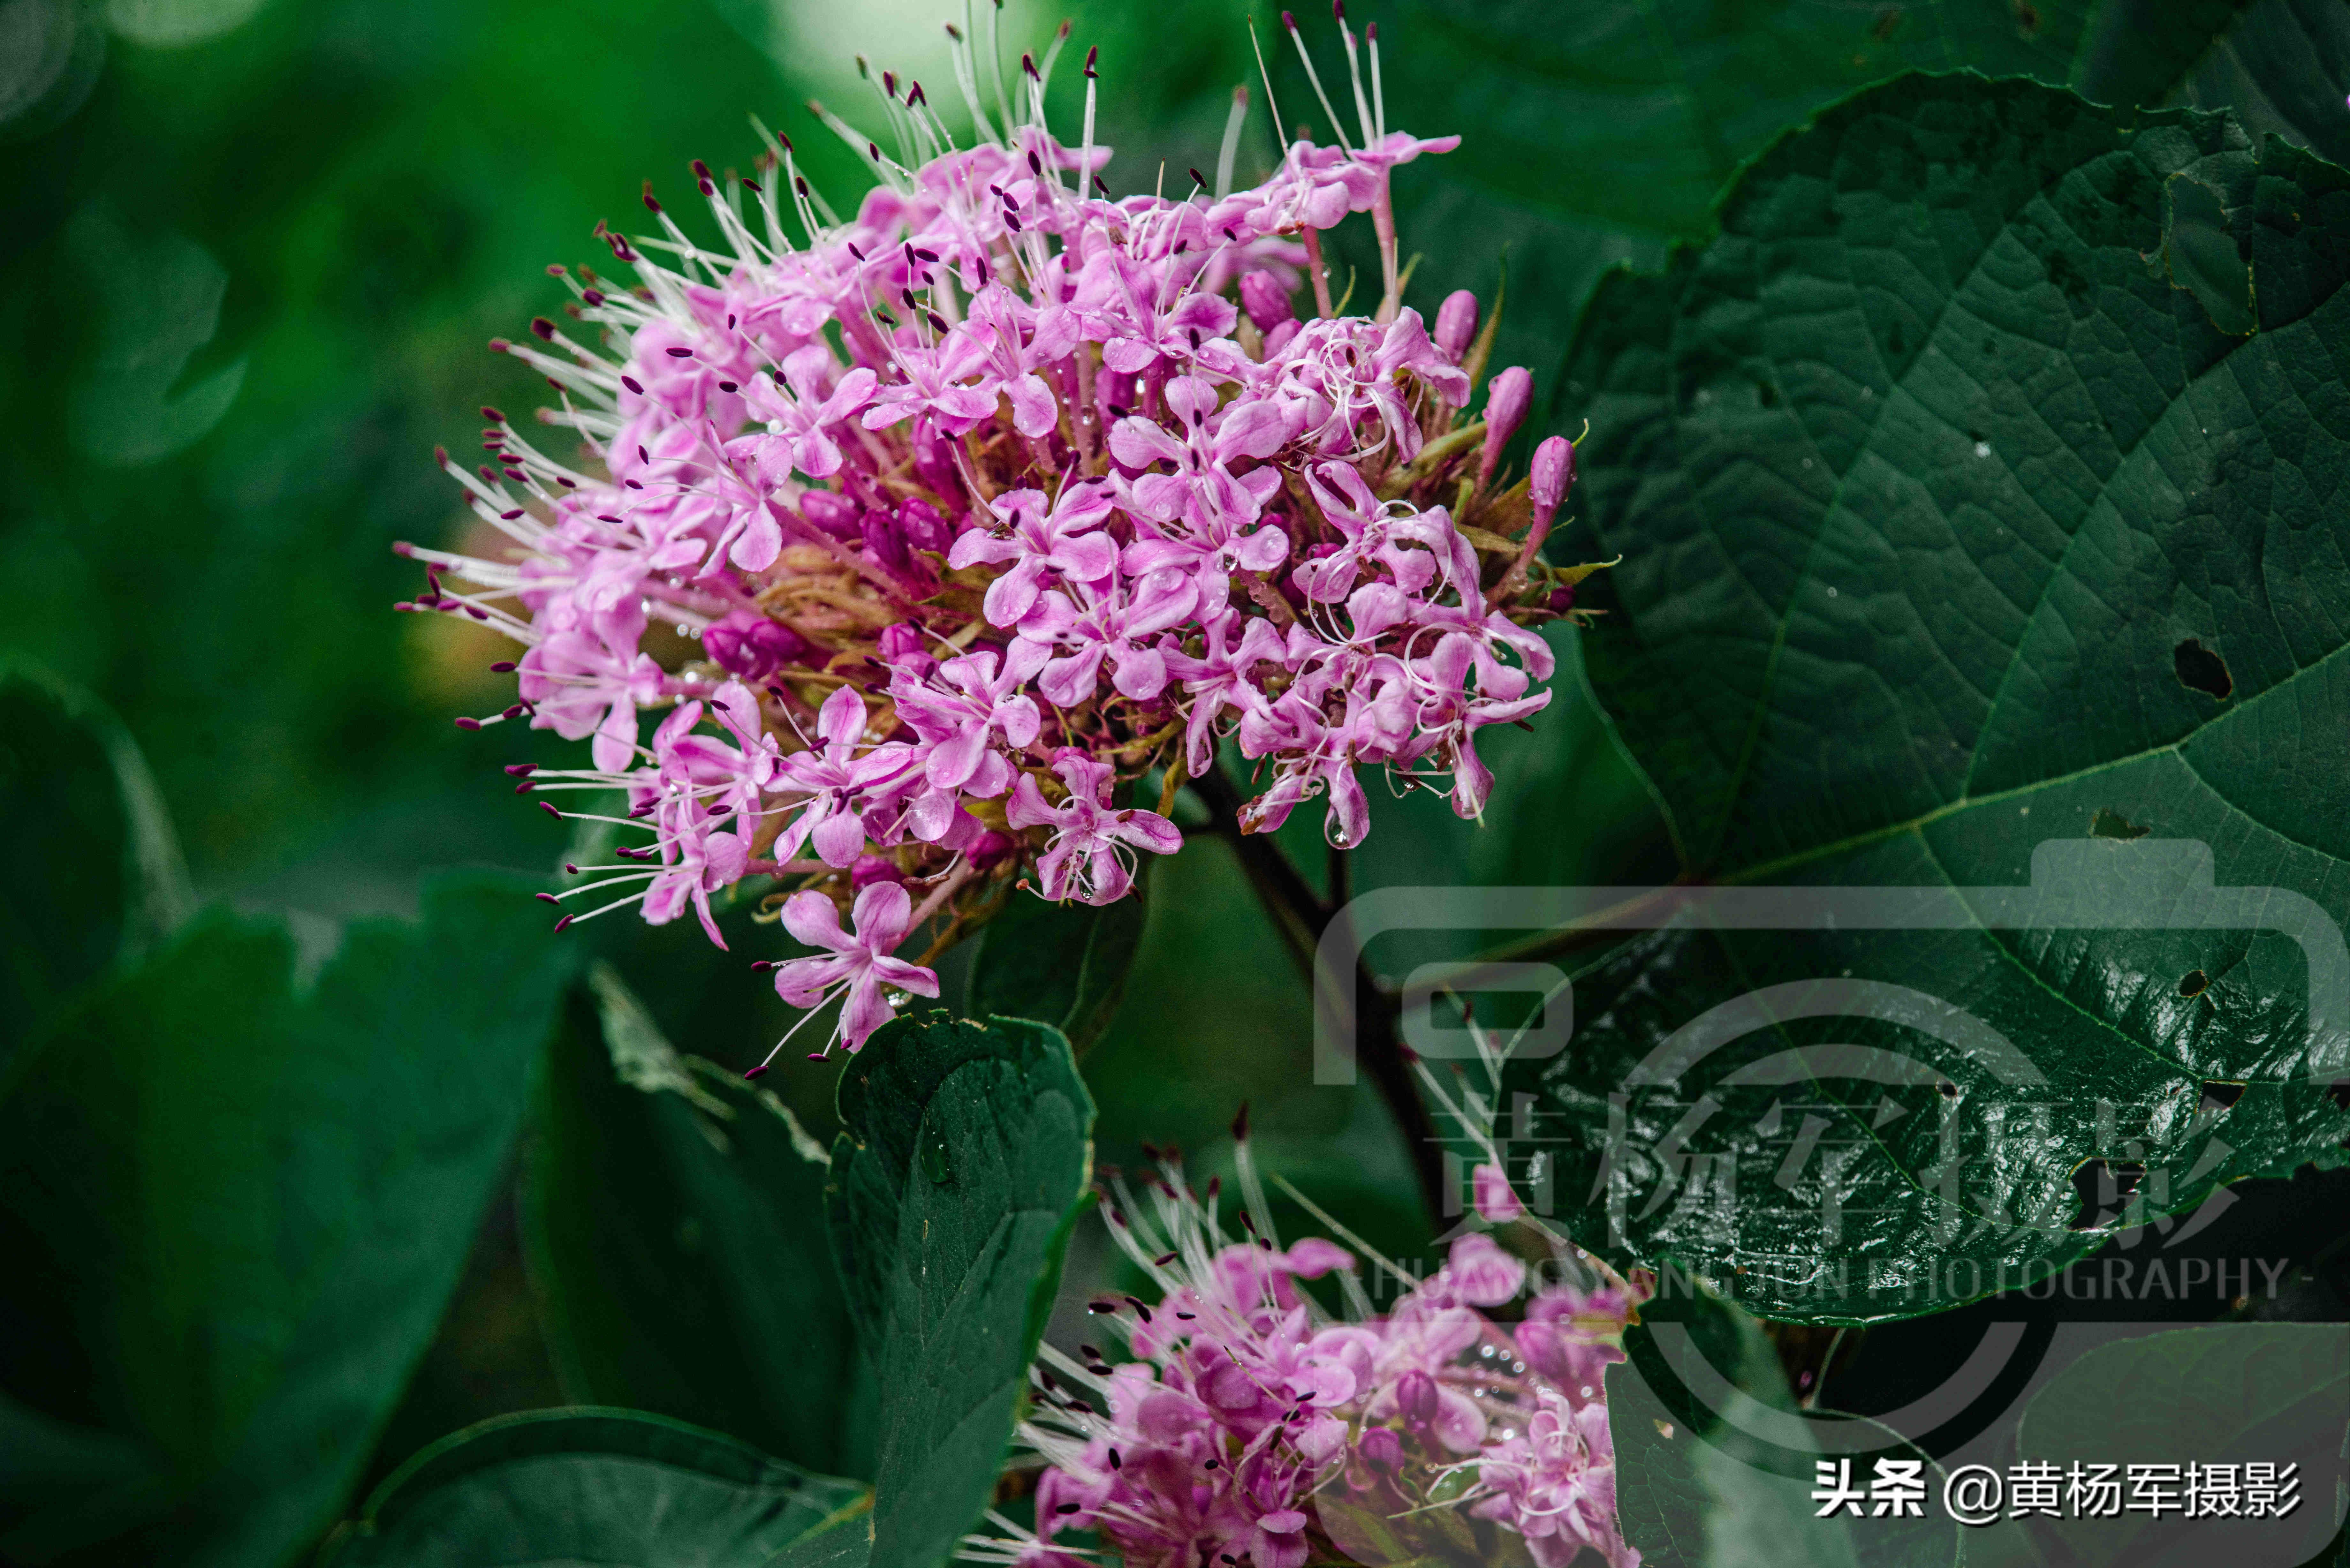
(2218, 1094)
(2102, 1186)
(1949, 1090)
(2194, 983)
(2027, 18)
(2111, 823)
(2200, 669)
(2338, 1092)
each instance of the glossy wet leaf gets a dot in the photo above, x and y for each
(1924, 472)
(233, 1209)
(678, 1243)
(951, 1196)
(618, 1486)
(1597, 135)
(1065, 964)
(2228, 1393)
(95, 876)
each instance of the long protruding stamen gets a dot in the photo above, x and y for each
(1355, 71)
(967, 76)
(1271, 105)
(768, 1060)
(1051, 53)
(995, 62)
(1085, 155)
(1338, 126)
(1379, 94)
(1228, 153)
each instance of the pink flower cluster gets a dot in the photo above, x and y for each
(1250, 1426)
(934, 531)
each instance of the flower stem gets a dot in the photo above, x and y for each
(1300, 917)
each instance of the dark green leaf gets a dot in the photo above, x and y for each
(611, 1487)
(1065, 964)
(950, 1200)
(233, 1209)
(93, 870)
(678, 1244)
(2230, 1393)
(1597, 135)
(1953, 528)
(2284, 69)
(1715, 1463)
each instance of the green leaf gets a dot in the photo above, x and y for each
(1956, 532)
(677, 1242)
(566, 1486)
(1065, 964)
(158, 302)
(2229, 1393)
(233, 1209)
(95, 877)
(1600, 135)
(1715, 1463)
(950, 1200)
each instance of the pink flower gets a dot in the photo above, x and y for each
(1118, 624)
(1245, 1410)
(859, 964)
(1017, 342)
(1201, 492)
(832, 775)
(972, 701)
(1092, 844)
(933, 385)
(586, 681)
(1062, 538)
(1002, 419)
(798, 423)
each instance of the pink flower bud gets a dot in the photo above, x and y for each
(1512, 393)
(1553, 471)
(1416, 1397)
(1266, 302)
(885, 542)
(1456, 323)
(989, 849)
(872, 868)
(1382, 1449)
(1495, 1200)
(900, 643)
(748, 644)
(835, 514)
(924, 527)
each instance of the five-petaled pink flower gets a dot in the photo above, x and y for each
(1093, 842)
(859, 964)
